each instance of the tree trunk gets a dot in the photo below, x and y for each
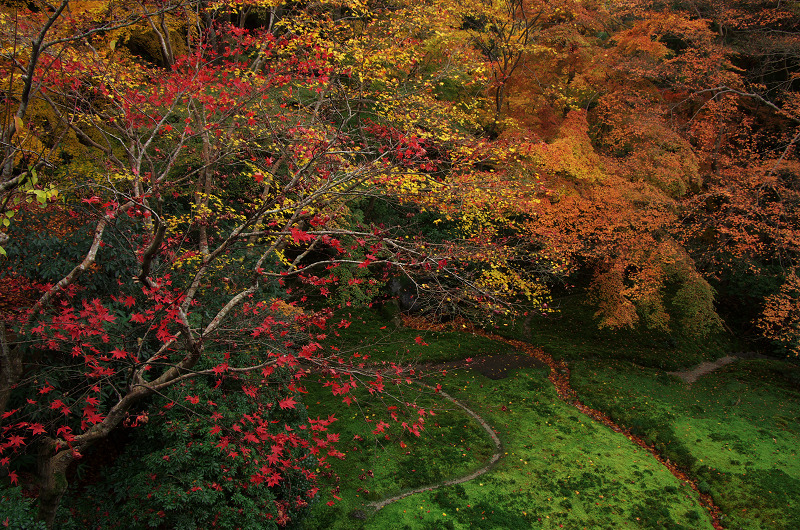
(53, 463)
(10, 366)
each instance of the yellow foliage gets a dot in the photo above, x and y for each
(571, 154)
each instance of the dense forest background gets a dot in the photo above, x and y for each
(196, 194)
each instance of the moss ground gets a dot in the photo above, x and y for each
(559, 468)
(383, 338)
(736, 429)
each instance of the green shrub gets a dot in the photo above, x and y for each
(16, 511)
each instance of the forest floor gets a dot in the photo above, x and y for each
(566, 451)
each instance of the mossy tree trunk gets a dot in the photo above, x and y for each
(53, 463)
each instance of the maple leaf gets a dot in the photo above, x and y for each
(193, 399)
(287, 403)
(16, 441)
(220, 369)
(37, 428)
(382, 425)
(307, 350)
(65, 431)
(299, 236)
(116, 353)
(129, 301)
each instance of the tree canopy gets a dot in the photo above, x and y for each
(191, 189)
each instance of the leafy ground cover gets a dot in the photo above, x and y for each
(737, 429)
(386, 463)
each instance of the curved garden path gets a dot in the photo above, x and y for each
(489, 465)
(559, 376)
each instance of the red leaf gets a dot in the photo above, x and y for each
(220, 369)
(37, 428)
(287, 403)
(380, 428)
(66, 432)
(307, 350)
(300, 236)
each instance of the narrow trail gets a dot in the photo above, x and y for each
(559, 376)
(690, 376)
(492, 461)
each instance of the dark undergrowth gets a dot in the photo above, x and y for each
(571, 333)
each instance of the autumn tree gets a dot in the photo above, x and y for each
(741, 120)
(209, 159)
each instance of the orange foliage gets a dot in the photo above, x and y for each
(780, 320)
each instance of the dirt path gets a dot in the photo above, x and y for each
(690, 376)
(559, 376)
(489, 465)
